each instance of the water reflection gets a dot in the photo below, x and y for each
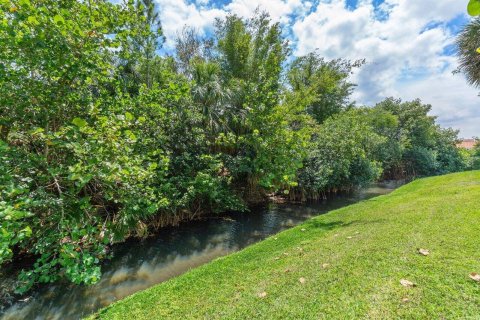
(139, 265)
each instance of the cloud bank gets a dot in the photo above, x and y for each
(408, 45)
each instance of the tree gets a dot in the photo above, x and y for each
(212, 96)
(322, 87)
(71, 172)
(467, 42)
(143, 37)
(476, 157)
(423, 148)
(343, 156)
(266, 151)
(189, 47)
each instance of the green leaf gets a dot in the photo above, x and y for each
(474, 7)
(130, 135)
(79, 122)
(37, 131)
(129, 116)
(58, 19)
(25, 3)
(33, 20)
(28, 231)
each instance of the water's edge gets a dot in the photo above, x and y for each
(137, 265)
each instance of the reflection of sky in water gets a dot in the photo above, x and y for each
(139, 265)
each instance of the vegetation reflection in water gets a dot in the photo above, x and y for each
(139, 265)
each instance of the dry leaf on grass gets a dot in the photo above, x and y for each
(407, 283)
(301, 280)
(405, 300)
(262, 294)
(475, 276)
(350, 237)
(424, 252)
(325, 265)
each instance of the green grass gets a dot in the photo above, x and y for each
(369, 247)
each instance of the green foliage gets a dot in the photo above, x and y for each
(321, 86)
(264, 151)
(343, 156)
(473, 7)
(422, 147)
(471, 158)
(102, 138)
(476, 158)
(468, 42)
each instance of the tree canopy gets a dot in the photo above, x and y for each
(102, 138)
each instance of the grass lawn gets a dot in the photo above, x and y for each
(342, 265)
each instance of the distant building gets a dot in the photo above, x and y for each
(468, 144)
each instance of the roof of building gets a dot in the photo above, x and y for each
(467, 144)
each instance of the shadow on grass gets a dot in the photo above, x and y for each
(327, 226)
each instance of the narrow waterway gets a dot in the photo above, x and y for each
(137, 265)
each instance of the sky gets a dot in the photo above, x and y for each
(408, 45)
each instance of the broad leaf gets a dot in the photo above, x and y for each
(474, 7)
(79, 122)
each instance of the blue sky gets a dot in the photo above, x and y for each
(408, 45)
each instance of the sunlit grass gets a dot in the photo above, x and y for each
(351, 260)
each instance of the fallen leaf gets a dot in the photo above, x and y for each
(424, 252)
(407, 283)
(262, 294)
(277, 258)
(349, 237)
(287, 270)
(303, 229)
(325, 265)
(405, 300)
(301, 280)
(475, 276)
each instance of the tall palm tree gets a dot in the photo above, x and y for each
(209, 92)
(468, 42)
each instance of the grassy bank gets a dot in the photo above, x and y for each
(345, 264)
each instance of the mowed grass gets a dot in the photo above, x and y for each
(350, 260)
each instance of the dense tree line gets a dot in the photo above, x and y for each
(102, 138)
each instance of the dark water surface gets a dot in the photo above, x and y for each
(137, 265)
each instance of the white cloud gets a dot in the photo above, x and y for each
(279, 10)
(404, 53)
(175, 14)
(456, 104)
(403, 42)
